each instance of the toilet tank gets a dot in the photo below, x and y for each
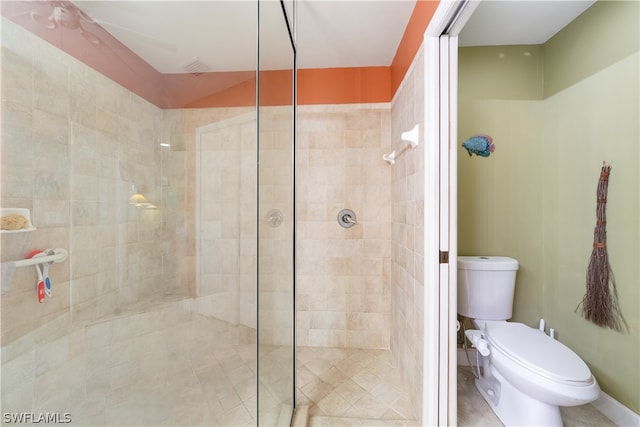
(486, 285)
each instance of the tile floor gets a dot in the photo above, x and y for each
(362, 388)
(474, 411)
(174, 367)
(352, 387)
(164, 367)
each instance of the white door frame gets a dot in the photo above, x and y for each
(440, 211)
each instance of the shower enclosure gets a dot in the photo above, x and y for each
(167, 175)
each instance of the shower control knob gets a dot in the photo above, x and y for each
(347, 218)
(274, 218)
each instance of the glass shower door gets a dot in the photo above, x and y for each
(276, 115)
(172, 192)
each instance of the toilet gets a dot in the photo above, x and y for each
(525, 375)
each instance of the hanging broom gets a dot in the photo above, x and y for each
(600, 302)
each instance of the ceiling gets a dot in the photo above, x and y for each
(174, 36)
(500, 22)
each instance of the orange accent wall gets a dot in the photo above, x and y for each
(241, 92)
(101, 51)
(367, 84)
(315, 86)
(276, 88)
(411, 40)
(343, 85)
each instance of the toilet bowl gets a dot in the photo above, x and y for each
(524, 375)
(528, 375)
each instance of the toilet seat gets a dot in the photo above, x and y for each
(537, 352)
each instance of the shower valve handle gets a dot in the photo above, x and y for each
(347, 218)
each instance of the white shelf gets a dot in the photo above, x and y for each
(18, 211)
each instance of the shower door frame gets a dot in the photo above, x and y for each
(439, 406)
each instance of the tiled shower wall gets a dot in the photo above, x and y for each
(362, 287)
(407, 110)
(343, 289)
(225, 215)
(222, 168)
(73, 143)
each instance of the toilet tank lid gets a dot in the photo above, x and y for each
(487, 263)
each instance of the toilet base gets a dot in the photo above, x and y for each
(513, 407)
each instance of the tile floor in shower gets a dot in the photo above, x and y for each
(362, 388)
(165, 367)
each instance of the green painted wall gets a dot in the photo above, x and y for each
(604, 34)
(534, 199)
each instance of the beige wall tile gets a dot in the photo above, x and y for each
(407, 229)
(89, 139)
(342, 167)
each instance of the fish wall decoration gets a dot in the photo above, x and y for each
(480, 145)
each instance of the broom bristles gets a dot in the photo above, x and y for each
(600, 302)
